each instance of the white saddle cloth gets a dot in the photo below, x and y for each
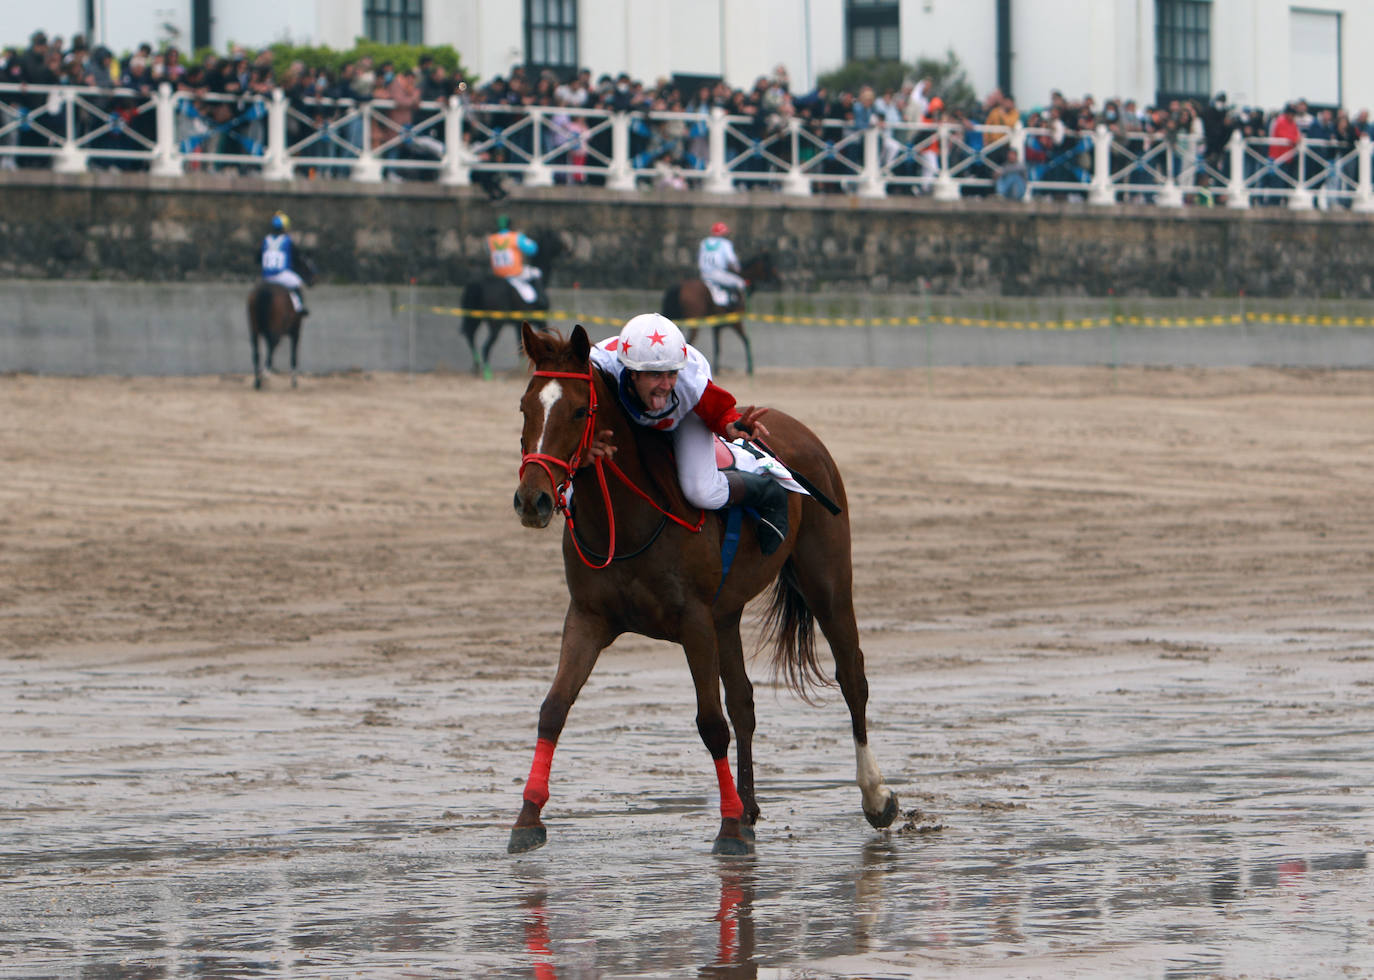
(747, 462)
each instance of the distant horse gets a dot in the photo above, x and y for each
(638, 560)
(271, 316)
(691, 299)
(495, 294)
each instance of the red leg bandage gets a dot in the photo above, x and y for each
(537, 786)
(730, 803)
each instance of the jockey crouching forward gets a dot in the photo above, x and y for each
(509, 250)
(719, 266)
(665, 383)
(281, 259)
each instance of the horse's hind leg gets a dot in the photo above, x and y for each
(257, 361)
(825, 578)
(739, 704)
(295, 344)
(584, 637)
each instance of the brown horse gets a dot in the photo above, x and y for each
(638, 560)
(691, 299)
(271, 316)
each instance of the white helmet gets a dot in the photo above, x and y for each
(651, 342)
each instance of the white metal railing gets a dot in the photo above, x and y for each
(172, 132)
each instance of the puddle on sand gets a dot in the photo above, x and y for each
(1181, 821)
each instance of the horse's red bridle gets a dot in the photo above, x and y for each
(570, 466)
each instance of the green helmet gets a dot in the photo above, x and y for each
(502, 222)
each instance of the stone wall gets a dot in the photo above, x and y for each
(206, 228)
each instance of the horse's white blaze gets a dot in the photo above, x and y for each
(548, 397)
(870, 779)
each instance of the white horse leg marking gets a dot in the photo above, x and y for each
(870, 779)
(548, 397)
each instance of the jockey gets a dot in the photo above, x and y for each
(280, 260)
(665, 383)
(508, 250)
(719, 266)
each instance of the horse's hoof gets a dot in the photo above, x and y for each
(732, 847)
(747, 833)
(524, 839)
(889, 814)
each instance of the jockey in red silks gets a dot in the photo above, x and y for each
(665, 383)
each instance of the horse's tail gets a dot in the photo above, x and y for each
(790, 628)
(671, 307)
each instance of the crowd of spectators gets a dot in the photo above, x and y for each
(1058, 147)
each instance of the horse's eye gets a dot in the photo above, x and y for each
(580, 413)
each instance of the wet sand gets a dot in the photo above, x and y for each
(270, 666)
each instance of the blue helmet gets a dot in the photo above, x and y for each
(280, 222)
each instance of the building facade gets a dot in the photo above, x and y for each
(1260, 52)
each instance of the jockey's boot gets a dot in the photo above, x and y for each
(767, 498)
(300, 302)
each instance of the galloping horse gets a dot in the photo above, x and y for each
(691, 299)
(638, 560)
(271, 316)
(498, 296)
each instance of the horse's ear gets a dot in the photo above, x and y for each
(531, 342)
(580, 344)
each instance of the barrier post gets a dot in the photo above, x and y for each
(795, 183)
(717, 178)
(70, 159)
(1101, 192)
(621, 177)
(1237, 196)
(1364, 195)
(870, 183)
(537, 174)
(456, 168)
(276, 166)
(368, 169)
(166, 155)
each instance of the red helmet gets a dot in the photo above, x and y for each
(720, 229)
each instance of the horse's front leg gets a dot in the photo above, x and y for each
(703, 660)
(584, 637)
(470, 326)
(739, 704)
(748, 347)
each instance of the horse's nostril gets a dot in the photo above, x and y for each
(517, 501)
(545, 506)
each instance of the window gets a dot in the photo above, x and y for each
(551, 35)
(871, 30)
(1314, 59)
(394, 21)
(1183, 50)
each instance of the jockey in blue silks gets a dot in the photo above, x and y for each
(281, 259)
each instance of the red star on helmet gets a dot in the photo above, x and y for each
(624, 345)
(684, 350)
(655, 338)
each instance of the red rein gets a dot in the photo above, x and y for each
(570, 466)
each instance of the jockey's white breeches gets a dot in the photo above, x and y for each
(694, 445)
(724, 278)
(286, 278)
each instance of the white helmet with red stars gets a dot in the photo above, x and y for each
(651, 342)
